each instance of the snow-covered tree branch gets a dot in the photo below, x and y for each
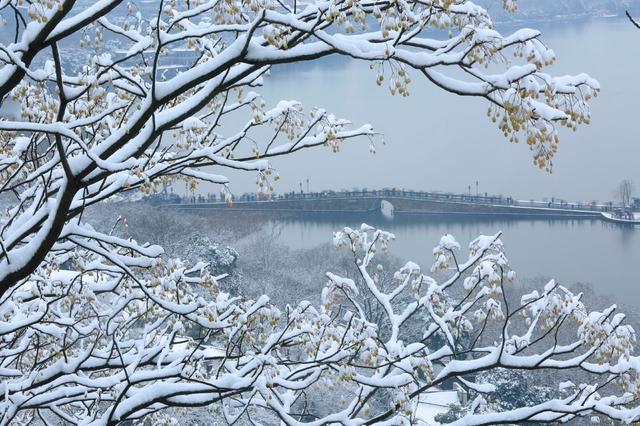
(632, 20)
(474, 330)
(119, 121)
(113, 96)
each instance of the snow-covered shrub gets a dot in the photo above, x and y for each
(513, 389)
(221, 260)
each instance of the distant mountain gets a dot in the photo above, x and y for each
(560, 9)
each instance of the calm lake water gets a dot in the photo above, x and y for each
(441, 142)
(587, 251)
(438, 141)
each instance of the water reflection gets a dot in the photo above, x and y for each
(588, 251)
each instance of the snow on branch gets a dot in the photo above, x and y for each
(124, 96)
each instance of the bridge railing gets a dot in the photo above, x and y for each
(495, 200)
